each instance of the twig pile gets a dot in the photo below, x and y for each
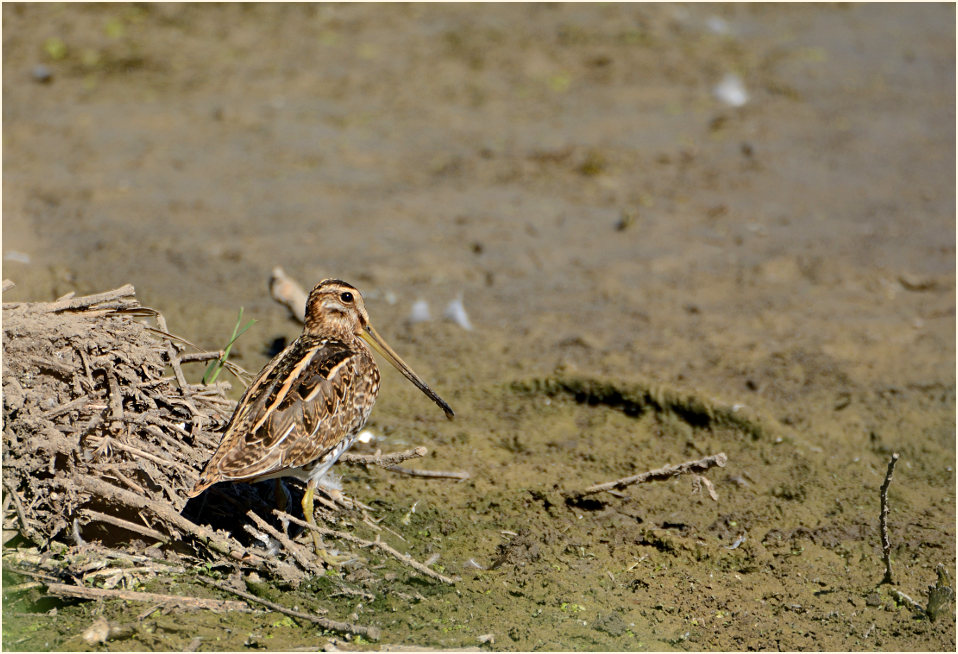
(98, 441)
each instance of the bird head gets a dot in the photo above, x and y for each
(335, 308)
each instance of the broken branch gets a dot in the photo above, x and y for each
(384, 460)
(345, 627)
(659, 474)
(433, 474)
(883, 519)
(185, 602)
(385, 547)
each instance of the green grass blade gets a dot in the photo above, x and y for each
(213, 370)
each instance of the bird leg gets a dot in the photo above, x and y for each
(308, 514)
(331, 560)
(280, 494)
(283, 499)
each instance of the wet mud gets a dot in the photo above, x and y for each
(652, 276)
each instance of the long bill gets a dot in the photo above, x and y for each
(372, 337)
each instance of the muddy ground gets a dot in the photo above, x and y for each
(616, 231)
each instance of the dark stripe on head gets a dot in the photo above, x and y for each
(328, 282)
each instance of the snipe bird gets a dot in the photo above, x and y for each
(306, 407)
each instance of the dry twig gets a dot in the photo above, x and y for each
(344, 627)
(660, 474)
(25, 525)
(200, 356)
(703, 481)
(232, 550)
(883, 520)
(383, 460)
(288, 292)
(907, 601)
(66, 407)
(385, 547)
(184, 602)
(296, 550)
(174, 357)
(124, 296)
(432, 474)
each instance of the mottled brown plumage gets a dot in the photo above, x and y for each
(308, 404)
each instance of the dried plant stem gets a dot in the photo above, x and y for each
(166, 513)
(433, 474)
(883, 520)
(297, 551)
(86, 367)
(709, 487)
(28, 530)
(200, 356)
(22, 587)
(119, 298)
(67, 407)
(385, 547)
(174, 356)
(384, 460)
(43, 577)
(344, 627)
(184, 602)
(288, 292)
(660, 474)
(125, 524)
(152, 457)
(109, 299)
(907, 601)
(171, 442)
(116, 399)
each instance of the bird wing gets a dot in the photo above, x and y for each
(305, 401)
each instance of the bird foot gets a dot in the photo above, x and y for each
(331, 560)
(327, 558)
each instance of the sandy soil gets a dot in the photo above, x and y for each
(616, 231)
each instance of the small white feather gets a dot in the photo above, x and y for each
(419, 312)
(456, 312)
(731, 90)
(331, 481)
(717, 25)
(366, 436)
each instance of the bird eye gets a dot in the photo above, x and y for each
(346, 296)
